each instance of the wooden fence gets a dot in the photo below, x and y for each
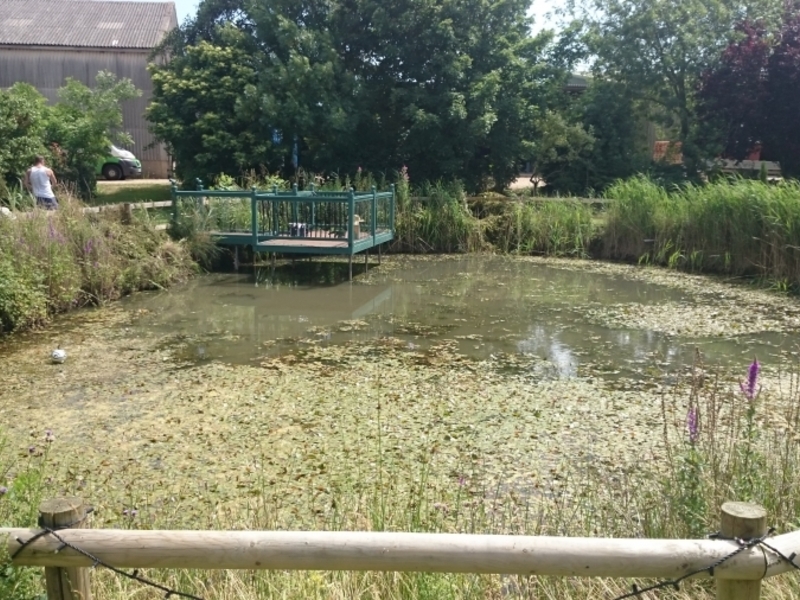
(737, 568)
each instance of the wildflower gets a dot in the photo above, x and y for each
(693, 425)
(31, 449)
(87, 247)
(3, 490)
(462, 480)
(49, 436)
(749, 388)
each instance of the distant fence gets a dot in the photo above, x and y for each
(738, 558)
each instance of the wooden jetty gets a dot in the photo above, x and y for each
(307, 222)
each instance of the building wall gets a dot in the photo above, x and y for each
(47, 68)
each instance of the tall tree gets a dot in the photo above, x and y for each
(750, 97)
(446, 87)
(659, 48)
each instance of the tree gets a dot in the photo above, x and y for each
(749, 98)
(204, 108)
(659, 48)
(74, 133)
(783, 90)
(23, 121)
(83, 123)
(446, 87)
(599, 139)
(732, 96)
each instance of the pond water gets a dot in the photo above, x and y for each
(492, 306)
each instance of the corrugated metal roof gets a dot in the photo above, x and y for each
(85, 23)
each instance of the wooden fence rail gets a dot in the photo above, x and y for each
(738, 578)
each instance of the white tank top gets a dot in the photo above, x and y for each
(40, 182)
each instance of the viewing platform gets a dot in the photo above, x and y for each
(291, 222)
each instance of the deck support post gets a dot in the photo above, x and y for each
(236, 258)
(366, 261)
(351, 267)
(379, 253)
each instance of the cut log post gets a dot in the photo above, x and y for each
(744, 521)
(126, 213)
(69, 583)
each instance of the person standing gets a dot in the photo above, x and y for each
(39, 181)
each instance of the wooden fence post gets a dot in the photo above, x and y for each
(126, 213)
(72, 583)
(745, 521)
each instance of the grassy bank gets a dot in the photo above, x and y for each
(736, 227)
(53, 262)
(133, 191)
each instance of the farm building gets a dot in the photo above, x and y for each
(42, 42)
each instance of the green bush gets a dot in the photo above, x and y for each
(52, 262)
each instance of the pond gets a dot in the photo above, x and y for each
(295, 399)
(490, 306)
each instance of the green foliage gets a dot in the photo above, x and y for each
(81, 124)
(50, 263)
(552, 228)
(659, 48)
(736, 227)
(205, 109)
(22, 489)
(23, 122)
(609, 112)
(73, 134)
(448, 89)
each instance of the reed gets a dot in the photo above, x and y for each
(736, 227)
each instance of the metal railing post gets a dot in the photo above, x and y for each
(254, 215)
(374, 211)
(391, 210)
(351, 209)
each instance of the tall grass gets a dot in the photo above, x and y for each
(51, 262)
(555, 228)
(436, 219)
(736, 227)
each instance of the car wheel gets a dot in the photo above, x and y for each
(112, 172)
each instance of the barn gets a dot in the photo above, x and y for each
(42, 42)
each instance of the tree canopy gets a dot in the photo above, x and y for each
(448, 88)
(750, 98)
(74, 133)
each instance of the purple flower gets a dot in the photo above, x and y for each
(749, 388)
(31, 449)
(461, 481)
(130, 513)
(87, 247)
(693, 425)
(49, 436)
(3, 490)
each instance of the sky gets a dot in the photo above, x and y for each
(186, 8)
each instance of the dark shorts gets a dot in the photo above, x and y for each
(47, 203)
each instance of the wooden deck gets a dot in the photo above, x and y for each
(300, 222)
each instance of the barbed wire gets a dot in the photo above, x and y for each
(743, 544)
(636, 591)
(97, 562)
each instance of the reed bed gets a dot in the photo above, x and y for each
(735, 227)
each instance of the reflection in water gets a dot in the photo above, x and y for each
(489, 305)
